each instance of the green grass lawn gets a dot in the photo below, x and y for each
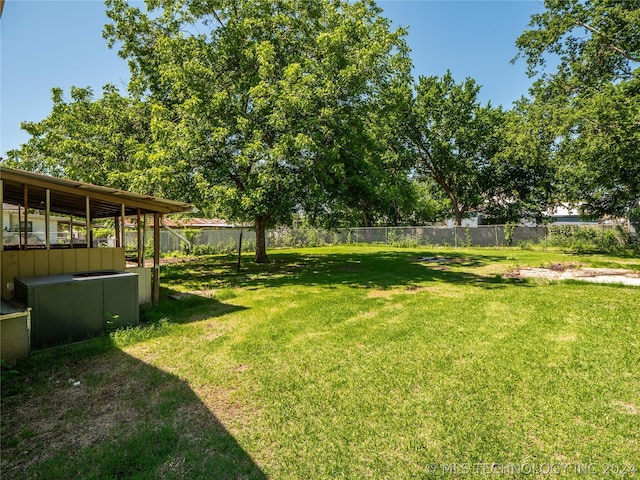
(345, 362)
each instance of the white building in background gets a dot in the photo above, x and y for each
(561, 215)
(13, 225)
(471, 222)
(564, 215)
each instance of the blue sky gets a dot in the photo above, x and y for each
(54, 43)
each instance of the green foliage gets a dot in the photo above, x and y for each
(526, 244)
(453, 139)
(191, 234)
(590, 105)
(403, 241)
(588, 239)
(105, 141)
(508, 232)
(129, 335)
(634, 214)
(595, 42)
(467, 238)
(274, 106)
(522, 176)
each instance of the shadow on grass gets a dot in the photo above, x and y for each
(153, 322)
(177, 307)
(380, 270)
(122, 419)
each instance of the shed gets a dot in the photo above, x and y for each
(81, 202)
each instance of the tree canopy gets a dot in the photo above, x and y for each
(273, 105)
(591, 98)
(258, 111)
(454, 139)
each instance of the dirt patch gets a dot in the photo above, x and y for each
(209, 293)
(561, 267)
(627, 408)
(148, 262)
(381, 294)
(571, 272)
(443, 260)
(413, 289)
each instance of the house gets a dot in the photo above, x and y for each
(566, 215)
(194, 222)
(561, 215)
(61, 229)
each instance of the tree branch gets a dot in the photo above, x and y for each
(236, 179)
(608, 41)
(215, 15)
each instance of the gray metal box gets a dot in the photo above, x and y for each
(75, 306)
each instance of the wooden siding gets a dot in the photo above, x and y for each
(29, 263)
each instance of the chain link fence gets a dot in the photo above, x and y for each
(408, 236)
(226, 240)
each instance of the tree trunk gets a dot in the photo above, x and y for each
(458, 216)
(365, 219)
(364, 207)
(240, 247)
(457, 212)
(261, 239)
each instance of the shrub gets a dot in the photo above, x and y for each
(526, 244)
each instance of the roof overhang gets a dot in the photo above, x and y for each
(69, 197)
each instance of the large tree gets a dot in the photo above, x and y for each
(454, 138)
(591, 96)
(522, 179)
(273, 105)
(105, 141)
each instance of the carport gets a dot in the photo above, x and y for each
(25, 261)
(81, 202)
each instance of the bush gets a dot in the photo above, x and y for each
(404, 241)
(585, 239)
(526, 244)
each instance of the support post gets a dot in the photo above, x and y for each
(1, 233)
(122, 224)
(20, 227)
(26, 207)
(138, 243)
(71, 231)
(156, 257)
(117, 227)
(88, 224)
(1, 216)
(144, 239)
(47, 218)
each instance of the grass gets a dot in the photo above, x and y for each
(344, 362)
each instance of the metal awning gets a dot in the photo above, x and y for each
(84, 200)
(69, 197)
